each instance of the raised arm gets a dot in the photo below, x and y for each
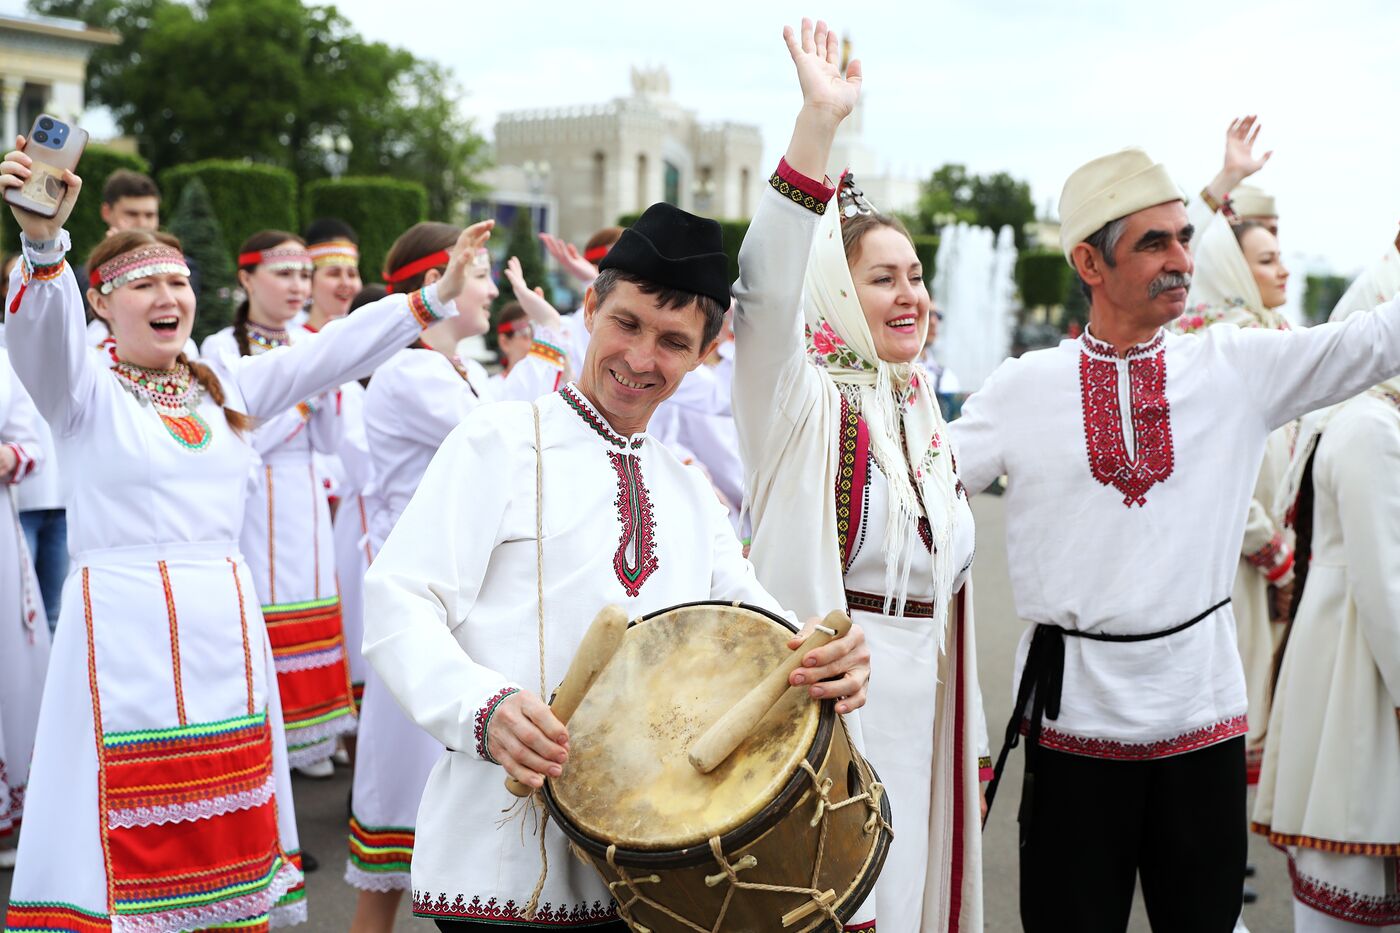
(1297, 371)
(352, 347)
(45, 326)
(771, 377)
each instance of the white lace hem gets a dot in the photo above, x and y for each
(316, 743)
(310, 661)
(246, 907)
(197, 810)
(357, 877)
(289, 915)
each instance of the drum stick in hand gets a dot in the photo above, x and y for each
(719, 741)
(599, 644)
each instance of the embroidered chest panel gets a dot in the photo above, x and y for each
(1153, 457)
(635, 559)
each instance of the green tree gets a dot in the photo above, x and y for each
(195, 223)
(299, 89)
(952, 194)
(523, 244)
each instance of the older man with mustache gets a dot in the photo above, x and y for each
(1131, 454)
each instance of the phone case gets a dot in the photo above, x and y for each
(54, 146)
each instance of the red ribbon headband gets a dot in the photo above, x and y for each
(513, 327)
(596, 253)
(417, 267)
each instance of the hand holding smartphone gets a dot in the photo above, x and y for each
(53, 147)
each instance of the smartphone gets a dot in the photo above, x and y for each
(54, 146)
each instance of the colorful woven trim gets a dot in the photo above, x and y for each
(551, 354)
(277, 258)
(381, 849)
(1369, 849)
(584, 410)
(985, 771)
(47, 916)
(313, 676)
(42, 273)
(460, 907)
(423, 311)
(333, 253)
(155, 259)
(799, 189)
(872, 602)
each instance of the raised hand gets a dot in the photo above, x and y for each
(816, 51)
(14, 172)
(1240, 161)
(569, 258)
(532, 301)
(463, 253)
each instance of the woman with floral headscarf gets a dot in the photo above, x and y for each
(853, 491)
(1240, 279)
(1329, 789)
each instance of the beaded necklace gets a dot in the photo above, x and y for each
(261, 339)
(461, 368)
(174, 394)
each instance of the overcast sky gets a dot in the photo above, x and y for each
(1030, 87)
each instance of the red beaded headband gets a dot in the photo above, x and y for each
(156, 259)
(431, 261)
(513, 327)
(280, 257)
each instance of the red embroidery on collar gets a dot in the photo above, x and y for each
(1154, 457)
(635, 559)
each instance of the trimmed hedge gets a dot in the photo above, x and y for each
(378, 208)
(85, 226)
(1044, 278)
(247, 197)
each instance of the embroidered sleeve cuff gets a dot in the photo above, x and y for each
(24, 465)
(547, 346)
(798, 188)
(483, 722)
(984, 769)
(1282, 575)
(1273, 560)
(427, 308)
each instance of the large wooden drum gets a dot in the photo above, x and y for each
(789, 833)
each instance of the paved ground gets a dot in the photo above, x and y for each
(321, 804)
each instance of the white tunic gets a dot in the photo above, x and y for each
(451, 620)
(414, 402)
(1128, 485)
(290, 548)
(160, 652)
(24, 631)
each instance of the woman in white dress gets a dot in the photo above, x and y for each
(24, 632)
(160, 797)
(413, 402)
(1241, 279)
(1329, 791)
(287, 536)
(853, 492)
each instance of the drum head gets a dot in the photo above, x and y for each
(628, 781)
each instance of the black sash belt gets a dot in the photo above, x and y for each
(1041, 682)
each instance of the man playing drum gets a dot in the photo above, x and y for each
(452, 602)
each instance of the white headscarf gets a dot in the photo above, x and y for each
(1223, 289)
(897, 402)
(1377, 285)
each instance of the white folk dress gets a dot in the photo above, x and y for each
(926, 742)
(450, 622)
(351, 477)
(414, 402)
(24, 630)
(290, 549)
(1329, 793)
(160, 797)
(1129, 481)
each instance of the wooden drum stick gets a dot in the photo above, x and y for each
(719, 741)
(599, 644)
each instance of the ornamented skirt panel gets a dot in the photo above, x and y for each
(160, 760)
(308, 646)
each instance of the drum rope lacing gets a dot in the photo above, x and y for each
(871, 797)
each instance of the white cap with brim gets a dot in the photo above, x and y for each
(1108, 188)
(1249, 201)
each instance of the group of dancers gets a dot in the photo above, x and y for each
(324, 529)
